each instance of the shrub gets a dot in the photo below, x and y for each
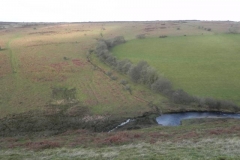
(181, 97)
(140, 36)
(148, 75)
(135, 71)
(109, 73)
(115, 41)
(118, 40)
(210, 102)
(143, 73)
(114, 78)
(163, 36)
(123, 65)
(101, 46)
(111, 60)
(90, 51)
(123, 82)
(103, 55)
(65, 58)
(128, 88)
(161, 85)
(126, 67)
(134, 74)
(229, 104)
(218, 104)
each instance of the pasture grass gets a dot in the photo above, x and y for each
(205, 66)
(224, 149)
(34, 63)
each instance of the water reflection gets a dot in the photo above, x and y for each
(174, 119)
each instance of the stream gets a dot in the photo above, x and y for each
(122, 124)
(174, 119)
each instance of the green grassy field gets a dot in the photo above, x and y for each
(205, 66)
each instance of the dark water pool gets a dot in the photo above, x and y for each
(174, 119)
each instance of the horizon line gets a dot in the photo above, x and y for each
(110, 21)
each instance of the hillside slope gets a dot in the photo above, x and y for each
(37, 58)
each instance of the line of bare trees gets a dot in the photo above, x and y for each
(144, 74)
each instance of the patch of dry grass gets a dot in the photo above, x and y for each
(210, 148)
